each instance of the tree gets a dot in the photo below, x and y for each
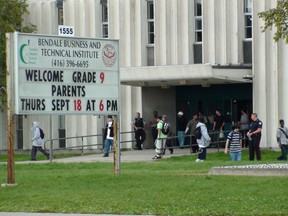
(11, 20)
(277, 17)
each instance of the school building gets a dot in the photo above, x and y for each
(189, 55)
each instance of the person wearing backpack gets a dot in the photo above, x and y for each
(161, 137)
(36, 141)
(282, 140)
(234, 143)
(203, 141)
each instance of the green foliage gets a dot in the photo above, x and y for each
(174, 186)
(277, 17)
(11, 20)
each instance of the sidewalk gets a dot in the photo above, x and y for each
(145, 155)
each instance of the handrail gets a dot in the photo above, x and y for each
(78, 146)
(211, 134)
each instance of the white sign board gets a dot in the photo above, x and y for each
(64, 75)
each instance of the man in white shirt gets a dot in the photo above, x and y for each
(282, 140)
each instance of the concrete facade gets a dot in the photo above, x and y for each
(146, 88)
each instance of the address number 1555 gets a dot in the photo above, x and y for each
(66, 30)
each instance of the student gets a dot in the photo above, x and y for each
(161, 137)
(203, 141)
(181, 126)
(109, 136)
(282, 141)
(234, 143)
(36, 141)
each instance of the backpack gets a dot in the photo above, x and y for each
(165, 128)
(198, 133)
(42, 135)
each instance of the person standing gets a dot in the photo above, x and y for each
(181, 126)
(140, 134)
(153, 125)
(282, 134)
(218, 125)
(254, 135)
(210, 121)
(203, 142)
(244, 123)
(161, 138)
(192, 126)
(244, 120)
(36, 141)
(234, 143)
(109, 136)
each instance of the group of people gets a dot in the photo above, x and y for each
(214, 124)
(233, 143)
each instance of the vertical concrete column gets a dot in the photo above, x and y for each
(259, 69)
(172, 33)
(136, 33)
(235, 21)
(183, 37)
(209, 32)
(282, 80)
(92, 10)
(272, 83)
(114, 18)
(160, 33)
(69, 13)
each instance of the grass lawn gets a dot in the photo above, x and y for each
(174, 186)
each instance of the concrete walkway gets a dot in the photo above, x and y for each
(145, 155)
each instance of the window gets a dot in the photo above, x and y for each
(150, 19)
(60, 12)
(248, 18)
(104, 20)
(198, 20)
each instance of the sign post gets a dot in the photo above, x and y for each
(10, 115)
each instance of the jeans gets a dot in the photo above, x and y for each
(235, 156)
(107, 144)
(202, 153)
(181, 138)
(34, 152)
(284, 149)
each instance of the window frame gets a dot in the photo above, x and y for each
(248, 29)
(105, 18)
(198, 17)
(150, 22)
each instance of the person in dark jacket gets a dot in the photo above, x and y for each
(139, 125)
(254, 135)
(108, 135)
